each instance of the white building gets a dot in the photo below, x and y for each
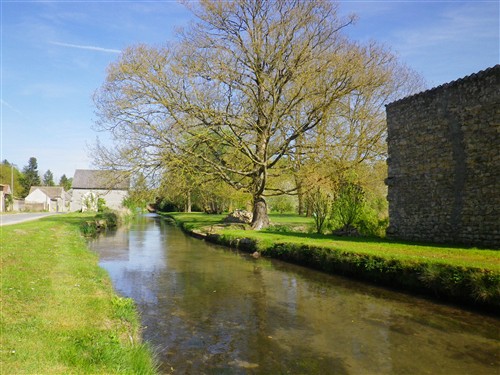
(47, 198)
(90, 185)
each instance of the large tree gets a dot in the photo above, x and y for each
(10, 175)
(238, 91)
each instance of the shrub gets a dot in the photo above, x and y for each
(370, 224)
(101, 205)
(348, 205)
(320, 202)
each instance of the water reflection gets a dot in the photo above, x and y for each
(208, 310)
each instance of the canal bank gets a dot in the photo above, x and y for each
(468, 277)
(59, 312)
(208, 309)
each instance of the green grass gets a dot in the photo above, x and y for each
(59, 314)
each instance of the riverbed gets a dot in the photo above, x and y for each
(211, 310)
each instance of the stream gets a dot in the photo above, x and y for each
(206, 309)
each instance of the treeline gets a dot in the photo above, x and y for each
(350, 201)
(21, 181)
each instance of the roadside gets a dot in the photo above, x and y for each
(59, 313)
(16, 218)
(469, 277)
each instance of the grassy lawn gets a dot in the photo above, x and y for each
(459, 256)
(59, 313)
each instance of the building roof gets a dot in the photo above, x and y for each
(492, 71)
(5, 189)
(52, 192)
(99, 179)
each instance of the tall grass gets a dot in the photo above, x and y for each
(59, 314)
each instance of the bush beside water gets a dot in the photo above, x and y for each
(100, 222)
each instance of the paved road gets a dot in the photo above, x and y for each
(9, 219)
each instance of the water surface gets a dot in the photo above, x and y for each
(210, 310)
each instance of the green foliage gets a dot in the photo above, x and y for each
(124, 308)
(89, 228)
(348, 205)
(10, 175)
(30, 176)
(370, 225)
(100, 222)
(9, 202)
(48, 178)
(320, 201)
(90, 202)
(101, 205)
(111, 218)
(281, 204)
(167, 205)
(65, 182)
(140, 195)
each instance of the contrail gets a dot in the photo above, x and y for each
(91, 48)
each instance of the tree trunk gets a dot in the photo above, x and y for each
(300, 197)
(188, 201)
(260, 218)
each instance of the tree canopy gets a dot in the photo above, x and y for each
(66, 182)
(30, 176)
(48, 178)
(249, 87)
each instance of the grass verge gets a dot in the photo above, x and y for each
(461, 275)
(59, 313)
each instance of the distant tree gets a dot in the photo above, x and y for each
(140, 194)
(282, 203)
(65, 182)
(48, 178)
(30, 176)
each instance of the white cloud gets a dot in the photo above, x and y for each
(456, 27)
(90, 48)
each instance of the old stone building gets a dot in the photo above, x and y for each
(444, 163)
(90, 185)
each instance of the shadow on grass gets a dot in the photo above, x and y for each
(361, 240)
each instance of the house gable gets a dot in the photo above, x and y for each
(37, 195)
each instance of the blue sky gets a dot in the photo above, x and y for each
(54, 55)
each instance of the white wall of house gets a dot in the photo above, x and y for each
(113, 198)
(38, 196)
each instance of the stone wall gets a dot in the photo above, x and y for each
(114, 198)
(444, 163)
